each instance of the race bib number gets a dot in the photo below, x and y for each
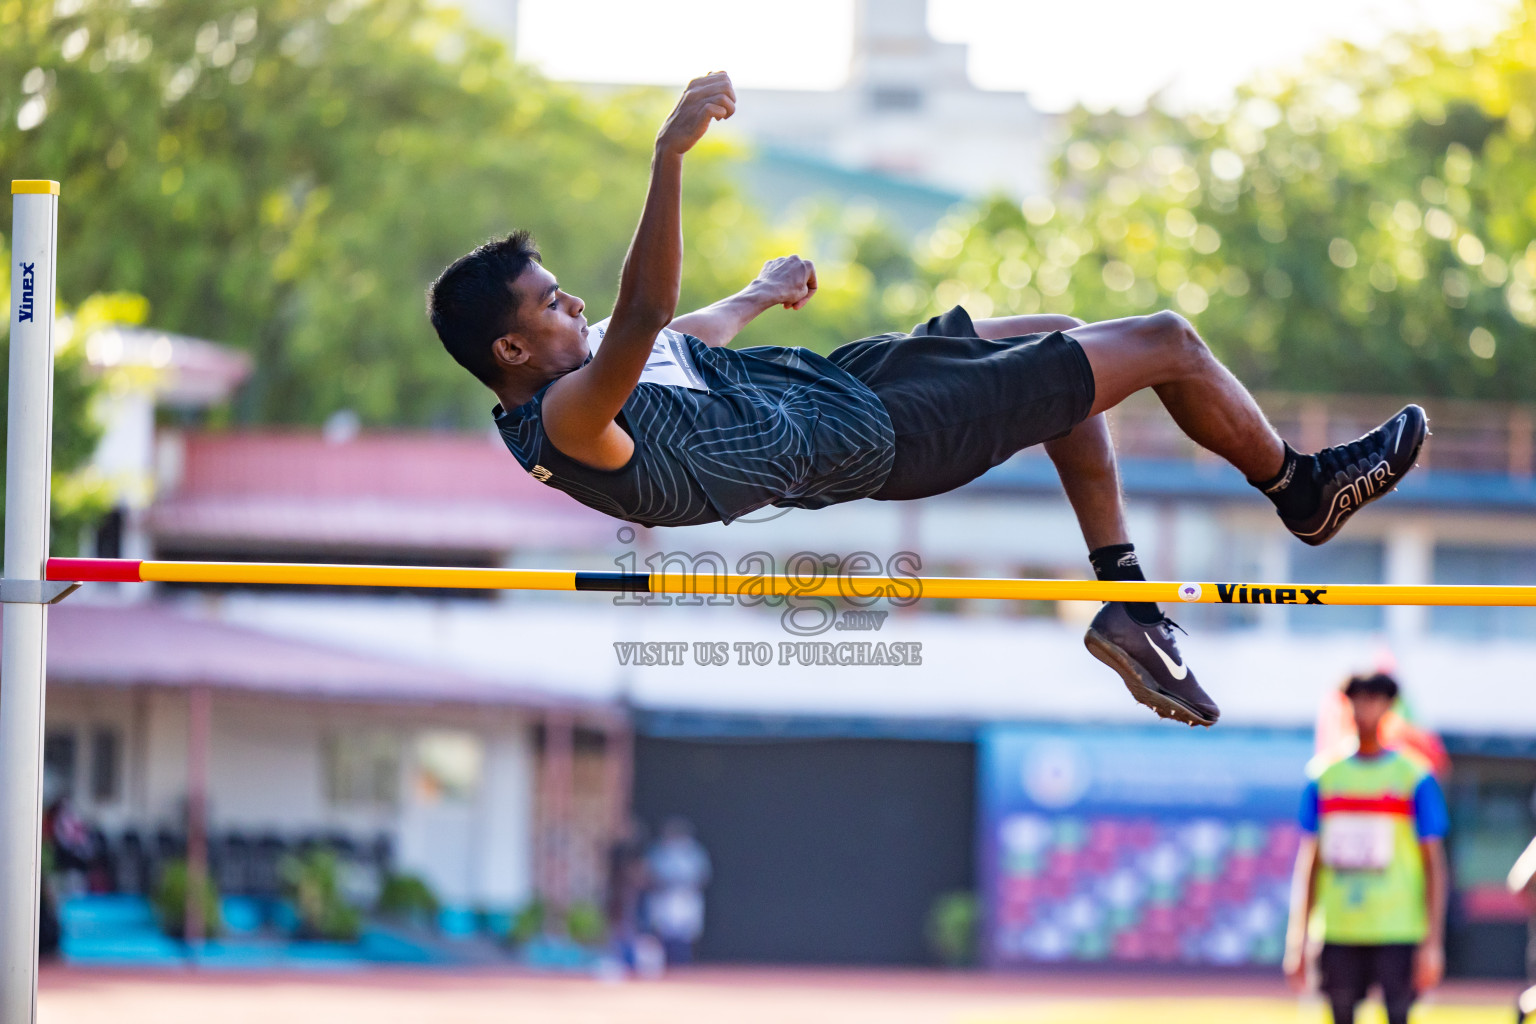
(1357, 842)
(669, 363)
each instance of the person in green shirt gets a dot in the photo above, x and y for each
(1370, 876)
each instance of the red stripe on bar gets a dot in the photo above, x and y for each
(95, 570)
(1365, 805)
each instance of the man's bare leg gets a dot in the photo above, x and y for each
(1085, 461)
(1085, 458)
(1163, 352)
(1313, 494)
(1134, 639)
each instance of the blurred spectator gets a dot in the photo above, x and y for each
(49, 931)
(1522, 881)
(628, 879)
(1370, 877)
(679, 869)
(68, 852)
(73, 846)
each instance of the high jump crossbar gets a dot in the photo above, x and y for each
(854, 586)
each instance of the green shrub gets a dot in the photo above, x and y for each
(408, 896)
(527, 923)
(170, 901)
(585, 924)
(313, 880)
(952, 922)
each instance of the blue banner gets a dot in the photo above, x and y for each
(1118, 844)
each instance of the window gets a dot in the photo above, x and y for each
(1339, 562)
(895, 99)
(362, 768)
(448, 766)
(106, 765)
(1480, 564)
(109, 534)
(58, 765)
(1492, 818)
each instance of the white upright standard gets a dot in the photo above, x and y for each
(28, 455)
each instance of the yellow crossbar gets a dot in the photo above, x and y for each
(900, 589)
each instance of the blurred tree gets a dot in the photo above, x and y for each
(289, 176)
(79, 496)
(858, 255)
(1366, 225)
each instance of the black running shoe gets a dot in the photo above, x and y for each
(1148, 659)
(1353, 475)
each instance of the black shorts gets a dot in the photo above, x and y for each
(961, 404)
(1348, 972)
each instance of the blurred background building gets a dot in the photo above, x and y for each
(494, 746)
(907, 132)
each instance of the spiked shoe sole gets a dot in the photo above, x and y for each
(1141, 684)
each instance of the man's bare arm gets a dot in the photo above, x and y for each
(1523, 875)
(580, 408)
(1303, 893)
(1429, 966)
(788, 281)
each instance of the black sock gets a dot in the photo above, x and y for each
(1118, 563)
(1294, 489)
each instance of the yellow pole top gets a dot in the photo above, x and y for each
(34, 186)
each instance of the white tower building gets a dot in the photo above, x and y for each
(909, 110)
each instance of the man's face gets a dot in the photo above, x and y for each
(551, 330)
(1370, 709)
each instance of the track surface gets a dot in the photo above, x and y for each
(706, 996)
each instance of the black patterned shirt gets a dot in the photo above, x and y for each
(776, 426)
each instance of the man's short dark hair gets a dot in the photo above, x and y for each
(1378, 683)
(472, 303)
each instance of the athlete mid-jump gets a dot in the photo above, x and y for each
(650, 418)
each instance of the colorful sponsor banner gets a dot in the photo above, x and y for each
(1137, 845)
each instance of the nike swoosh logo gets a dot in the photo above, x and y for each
(1174, 668)
(1402, 421)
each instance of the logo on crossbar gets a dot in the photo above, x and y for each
(1242, 593)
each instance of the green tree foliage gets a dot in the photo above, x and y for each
(857, 255)
(79, 497)
(1366, 225)
(288, 177)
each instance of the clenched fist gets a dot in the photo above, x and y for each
(706, 99)
(788, 281)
